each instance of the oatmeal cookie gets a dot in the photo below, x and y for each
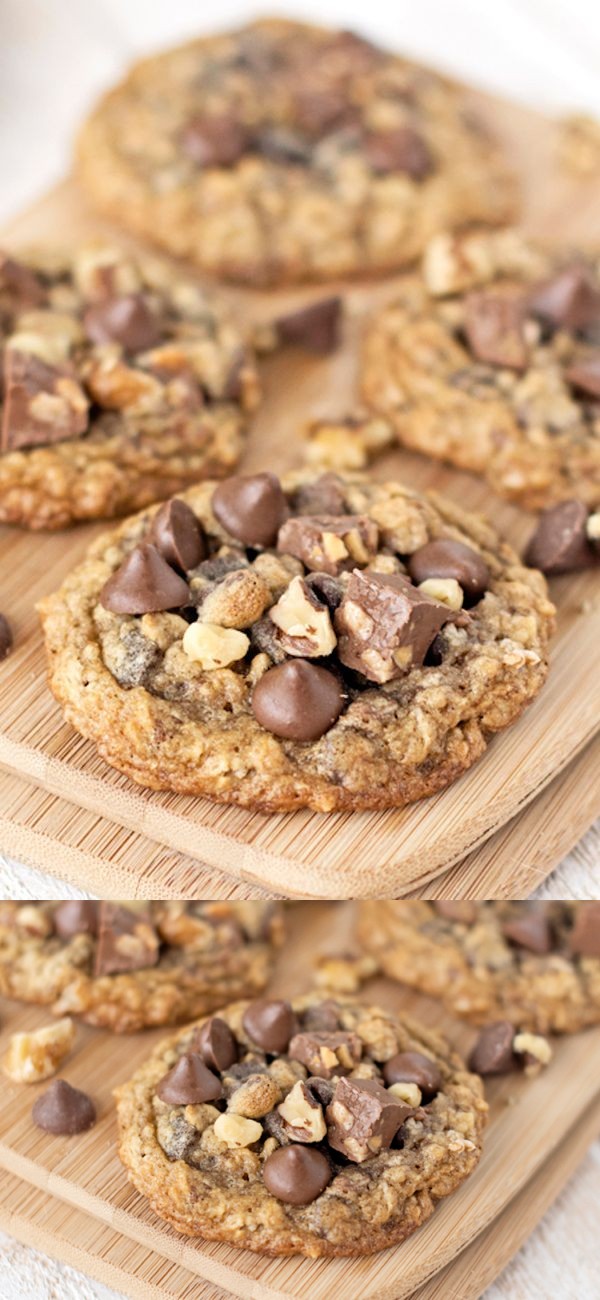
(535, 964)
(122, 382)
(284, 152)
(492, 363)
(313, 1128)
(326, 642)
(127, 966)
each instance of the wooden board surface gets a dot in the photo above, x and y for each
(306, 853)
(529, 1119)
(109, 861)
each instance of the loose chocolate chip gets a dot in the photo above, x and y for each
(297, 700)
(530, 929)
(189, 1083)
(495, 329)
(252, 507)
(401, 149)
(127, 320)
(63, 1109)
(560, 543)
(126, 940)
(413, 1067)
(217, 141)
(584, 939)
(493, 1051)
(270, 1024)
(459, 910)
(445, 558)
(296, 1174)
(144, 584)
(569, 300)
(316, 327)
(6, 637)
(178, 535)
(216, 1044)
(76, 918)
(385, 625)
(585, 374)
(363, 1118)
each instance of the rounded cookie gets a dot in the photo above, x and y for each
(128, 966)
(492, 363)
(535, 964)
(283, 152)
(306, 1141)
(320, 654)
(122, 382)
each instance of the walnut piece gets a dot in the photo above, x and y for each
(255, 1097)
(447, 590)
(236, 1130)
(303, 1115)
(214, 647)
(37, 1055)
(409, 1093)
(237, 601)
(304, 621)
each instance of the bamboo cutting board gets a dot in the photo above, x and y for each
(306, 853)
(529, 1120)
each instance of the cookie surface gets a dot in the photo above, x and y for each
(122, 381)
(283, 152)
(130, 966)
(538, 965)
(333, 680)
(491, 362)
(285, 1163)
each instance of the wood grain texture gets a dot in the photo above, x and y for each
(529, 1120)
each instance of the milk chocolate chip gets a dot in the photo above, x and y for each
(560, 543)
(413, 1067)
(252, 507)
(401, 149)
(189, 1083)
(296, 1174)
(445, 558)
(64, 1110)
(529, 929)
(6, 637)
(126, 940)
(297, 700)
(584, 939)
(363, 1118)
(216, 1044)
(127, 320)
(316, 327)
(270, 1024)
(569, 300)
(144, 584)
(493, 1052)
(75, 918)
(385, 625)
(178, 535)
(585, 375)
(216, 141)
(495, 329)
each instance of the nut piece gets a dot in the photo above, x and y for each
(446, 590)
(409, 1093)
(343, 973)
(592, 527)
(214, 647)
(303, 1117)
(349, 444)
(34, 919)
(535, 1050)
(255, 1097)
(304, 622)
(34, 1056)
(237, 601)
(236, 1131)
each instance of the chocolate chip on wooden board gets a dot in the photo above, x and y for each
(251, 507)
(6, 637)
(127, 940)
(298, 700)
(385, 625)
(64, 1110)
(493, 1053)
(144, 584)
(316, 327)
(42, 404)
(561, 542)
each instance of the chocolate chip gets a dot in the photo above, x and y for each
(322, 496)
(445, 558)
(560, 543)
(493, 1051)
(6, 637)
(74, 918)
(569, 300)
(385, 625)
(363, 1118)
(127, 320)
(316, 327)
(585, 374)
(23, 285)
(271, 1024)
(296, 1174)
(529, 929)
(459, 910)
(297, 700)
(318, 111)
(178, 535)
(329, 543)
(143, 584)
(326, 1052)
(126, 940)
(251, 507)
(584, 939)
(413, 1067)
(401, 149)
(322, 1015)
(495, 329)
(215, 141)
(29, 423)
(189, 1083)
(64, 1110)
(216, 1044)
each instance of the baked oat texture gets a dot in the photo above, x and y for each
(284, 152)
(478, 972)
(529, 431)
(209, 953)
(155, 714)
(139, 422)
(204, 1188)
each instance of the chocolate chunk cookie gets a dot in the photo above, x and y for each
(536, 965)
(121, 382)
(283, 152)
(127, 966)
(308, 1140)
(492, 363)
(343, 644)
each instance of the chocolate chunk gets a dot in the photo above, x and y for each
(445, 558)
(271, 1024)
(413, 1067)
(330, 543)
(560, 543)
(281, 145)
(6, 637)
(63, 1109)
(126, 940)
(363, 1118)
(144, 584)
(127, 320)
(493, 1051)
(401, 149)
(584, 939)
(326, 587)
(529, 928)
(42, 404)
(74, 918)
(216, 1044)
(569, 300)
(385, 625)
(189, 1083)
(323, 496)
(178, 535)
(495, 329)
(326, 1053)
(296, 1174)
(459, 910)
(21, 283)
(216, 141)
(297, 700)
(585, 374)
(252, 507)
(316, 327)
(319, 111)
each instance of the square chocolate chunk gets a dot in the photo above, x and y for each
(126, 940)
(363, 1118)
(42, 403)
(385, 625)
(325, 1053)
(330, 543)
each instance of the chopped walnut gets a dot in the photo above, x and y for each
(447, 590)
(302, 1115)
(38, 1054)
(346, 445)
(344, 973)
(303, 621)
(535, 1050)
(214, 647)
(236, 1130)
(406, 1092)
